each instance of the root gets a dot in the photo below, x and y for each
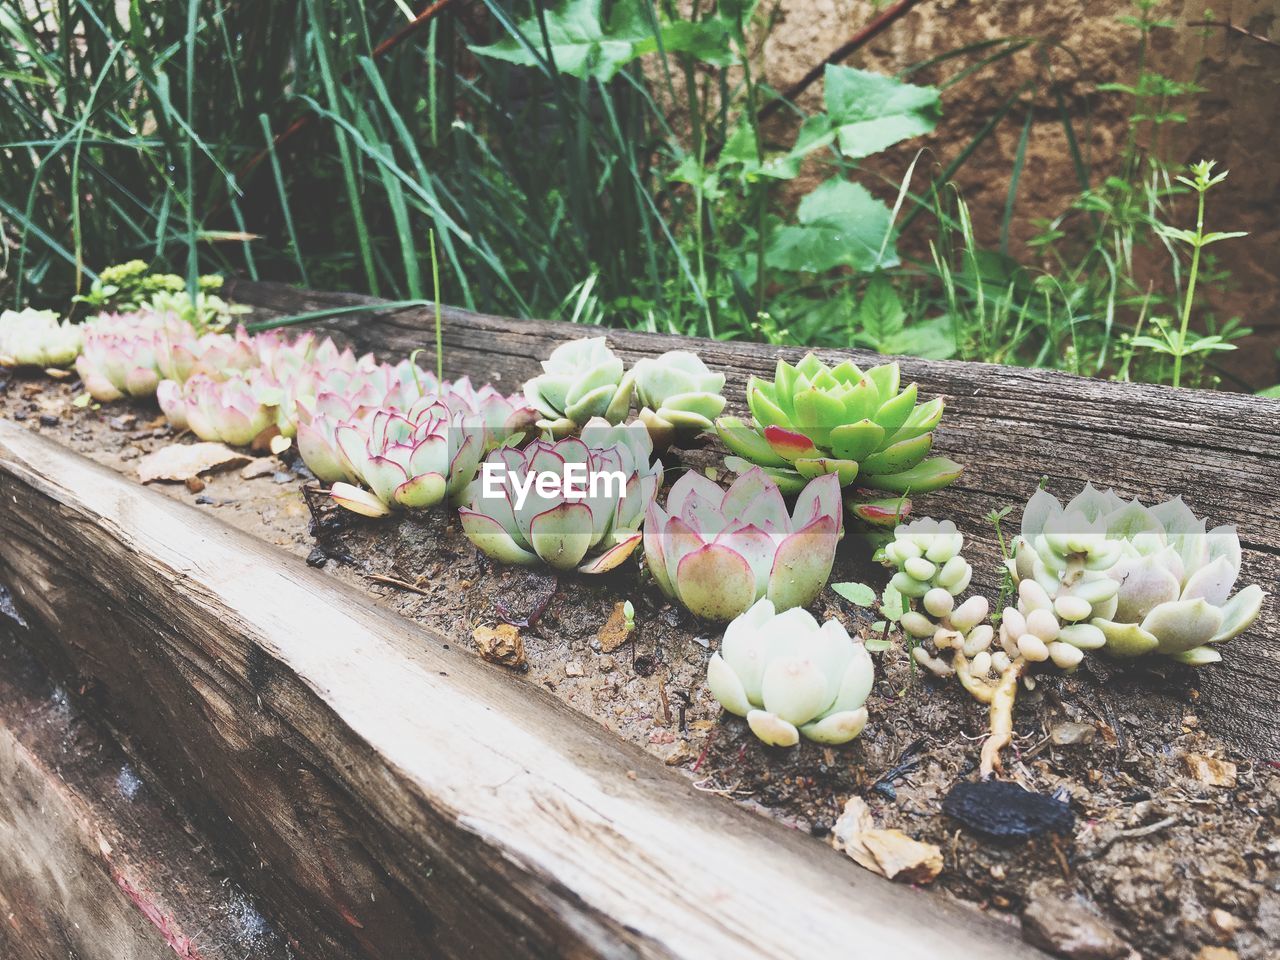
(1002, 700)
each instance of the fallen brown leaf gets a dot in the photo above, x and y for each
(614, 632)
(179, 461)
(258, 467)
(890, 853)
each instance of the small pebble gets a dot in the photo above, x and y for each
(205, 500)
(283, 476)
(49, 420)
(573, 669)
(194, 484)
(1068, 733)
(317, 557)
(1070, 931)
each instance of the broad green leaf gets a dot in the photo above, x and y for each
(880, 314)
(706, 40)
(858, 594)
(579, 41)
(841, 224)
(931, 339)
(870, 112)
(1270, 392)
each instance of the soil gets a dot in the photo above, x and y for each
(1169, 861)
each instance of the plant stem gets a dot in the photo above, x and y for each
(1191, 290)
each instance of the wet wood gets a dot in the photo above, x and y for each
(1009, 426)
(93, 865)
(389, 797)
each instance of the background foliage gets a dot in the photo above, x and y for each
(604, 162)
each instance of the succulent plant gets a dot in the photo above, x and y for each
(118, 355)
(234, 410)
(513, 521)
(1131, 579)
(408, 460)
(582, 379)
(680, 397)
(180, 353)
(719, 551)
(35, 338)
(863, 427)
(790, 677)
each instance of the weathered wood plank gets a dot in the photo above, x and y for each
(392, 798)
(92, 864)
(1009, 426)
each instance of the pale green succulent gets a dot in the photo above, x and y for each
(863, 426)
(790, 677)
(580, 380)
(680, 397)
(36, 338)
(1132, 579)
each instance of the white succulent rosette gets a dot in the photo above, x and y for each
(180, 353)
(679, 396)
(791, 677)
(234, 410)
(36, 338)
(361, 381)
(1131, 579)
(581, 379)
(719, 551)
(413, 459)
(592, 533)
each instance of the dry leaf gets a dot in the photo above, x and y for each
(890, 853)
(501, 644)
(179, 461)
(614, 632)
(259, 467)
(279, 444)
(1210, 770)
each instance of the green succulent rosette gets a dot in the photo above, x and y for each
(580, 380)
(680, 398)
(863, 426)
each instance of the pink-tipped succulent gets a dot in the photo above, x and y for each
(118, 356)
(180, 354)
(234, 411)
(408, 460)
(719, 551)
(602, 481)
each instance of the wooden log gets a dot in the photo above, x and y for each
(390, 797)
(92, 863)
(1009, 427)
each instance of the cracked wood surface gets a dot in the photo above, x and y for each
(1008, 426)
(388, 797)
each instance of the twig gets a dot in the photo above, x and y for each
(1133, 834)
(396, 582)
(846, 49)
(1228, 25)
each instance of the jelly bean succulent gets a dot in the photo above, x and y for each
(407, 460)
(791, 677)
(562, 503)
(719, 551)
(581, 379)
(1132, 579)
(861, 426)
(36, 338)
(680, 397)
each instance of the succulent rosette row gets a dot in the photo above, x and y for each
(582, 517)
(861, 426)
(1132, 579)
(791, 677)
(234, 410)
(719, 551)
(582, 379)
(680, 398)
(36, 338)
(407, 460)
(181, 354)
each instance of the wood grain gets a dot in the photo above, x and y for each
(92, 863)
(390, 797)
(1009, 426)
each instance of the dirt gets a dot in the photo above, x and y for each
(1161, 855)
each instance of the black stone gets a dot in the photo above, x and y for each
(1004, 811)
(48, 420)
(317, 557)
